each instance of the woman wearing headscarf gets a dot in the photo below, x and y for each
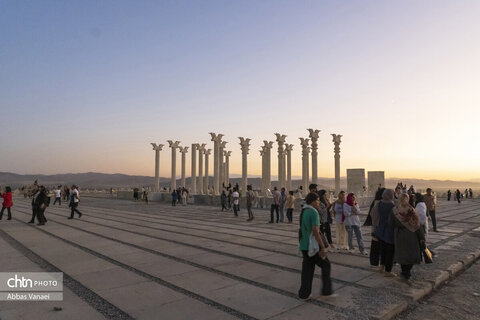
(39, 206)
(324, 216)
(372, 220)
(384, 231)
(351, 210)
(409, 236)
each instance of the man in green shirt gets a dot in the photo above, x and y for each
(310, 224)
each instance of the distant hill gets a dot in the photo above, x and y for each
(118, 180)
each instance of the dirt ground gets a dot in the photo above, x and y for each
(459, 299)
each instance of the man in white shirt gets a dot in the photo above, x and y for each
(74, 200)
(236, 201)
(58, 196)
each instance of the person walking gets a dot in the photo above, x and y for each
(39, 206)
(449, 195)
(351, 210)
(145, 195)
(340, 221)
(185, 196)
(7, 203)
(325, 217)
(275, 204)
(384, 232)
(290, 205)
(174, 198)
(281, 205)
(74, 201)
(409, 237)
(58, 196)
(35, 193)
(431, 203)
(309, 227)
(471, 192)
(236, 201)
(458, 196)
(250, 201)
(223, 200)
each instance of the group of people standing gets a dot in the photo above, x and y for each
(399, 229)
(399, 232)
(179, 195)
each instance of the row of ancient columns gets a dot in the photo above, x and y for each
(221, 162)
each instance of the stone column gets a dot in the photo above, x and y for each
(288, 150)
(227, 155)
(205, 183)
(157, 149)
(281, 159)
(200, 149)
(264, 170)
(305, 153)
(183, 151)
(217, 139)
(314, 138)
(193, 179)
(244, 144)
(268, 163)
(173, 181)
(336, 141)
(222, 163)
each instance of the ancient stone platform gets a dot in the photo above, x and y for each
(127, 260)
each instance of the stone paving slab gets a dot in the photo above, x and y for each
(217, 257)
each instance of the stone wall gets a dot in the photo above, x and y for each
(375, 179)
(356, 181)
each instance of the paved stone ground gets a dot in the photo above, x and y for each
(126, 260)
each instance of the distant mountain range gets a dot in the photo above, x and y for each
(117, 180)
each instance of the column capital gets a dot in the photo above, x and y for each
(267, 145)
(245, 144)
(304, 142)
(314, 134)
(227, 153)
(280, 138)
(336, 138)
(288, 147)
(216, 137)
(157, 147)
(223, 144)
(173, 145)
(201, 147)
(207, 151)
(183, 149)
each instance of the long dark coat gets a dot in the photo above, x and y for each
(407, 243)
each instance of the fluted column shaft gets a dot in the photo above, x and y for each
(193, 182)
(173, 179)
(183, 151)
(336, 141)
(314, 134)
(205, 183)
(245, 144)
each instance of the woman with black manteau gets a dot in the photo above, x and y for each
(325, 217)
(39, 206)
(372, 220)
(409, 237)
(384, 231)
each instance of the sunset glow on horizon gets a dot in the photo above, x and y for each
(87, 86)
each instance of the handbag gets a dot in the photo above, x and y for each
(427, 255)
(313, 246)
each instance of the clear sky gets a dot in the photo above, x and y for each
(87, 85)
